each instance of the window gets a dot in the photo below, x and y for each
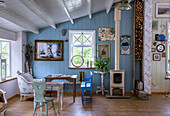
(168, 50)
(5, 58)
(82, 43)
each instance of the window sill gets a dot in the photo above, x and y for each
(7, 79)
(81, 68)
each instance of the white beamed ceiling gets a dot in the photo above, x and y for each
(53, 8)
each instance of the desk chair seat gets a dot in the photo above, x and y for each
(87, 86)
(39, 88)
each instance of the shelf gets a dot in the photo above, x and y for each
(81, 68)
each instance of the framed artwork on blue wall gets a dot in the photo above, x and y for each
(106, 34)
(51, 50)
(125, 44)
(104, 50)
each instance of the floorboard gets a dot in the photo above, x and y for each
(157, 105)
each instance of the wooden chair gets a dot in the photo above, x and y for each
(39, 88)
(87, 86)
(3, 104)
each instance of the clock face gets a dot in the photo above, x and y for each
(160, 48)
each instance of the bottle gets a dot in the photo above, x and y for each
(87, 64)
(91, 64)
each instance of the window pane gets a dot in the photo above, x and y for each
(4, 56)
(77, 39)
(87, 39)
(3, 69)
(77, 51)
(4, 47)
(87, 54)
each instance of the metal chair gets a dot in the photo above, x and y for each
(87, 86)
(39, 88)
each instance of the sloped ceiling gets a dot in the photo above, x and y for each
(21, 15)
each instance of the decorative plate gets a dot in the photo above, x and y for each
(160, 48)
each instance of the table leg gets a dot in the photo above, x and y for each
(74, 89)
(58, 102)
(102, 84)
(61, 98)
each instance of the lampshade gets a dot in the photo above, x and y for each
(125, 6)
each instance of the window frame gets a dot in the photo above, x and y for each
(9, 56)
(167, 51)
(71, 45)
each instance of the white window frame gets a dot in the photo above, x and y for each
(167, 51)
(9, 56)
(93, 45)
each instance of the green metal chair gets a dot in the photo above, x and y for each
(39, 88)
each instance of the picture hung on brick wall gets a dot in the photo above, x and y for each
(125, 44)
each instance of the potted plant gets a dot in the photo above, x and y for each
(29, 56)
(102, 64)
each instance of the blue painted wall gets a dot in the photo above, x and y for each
(101, 19)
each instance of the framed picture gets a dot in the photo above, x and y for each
(160, 47)
(49, 50)
(153, 49)
(125, 44)
(154, 25)
(162, 9)
(164, 54)
(104, 50)
(106, 34)
(156, 57)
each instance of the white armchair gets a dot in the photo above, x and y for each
(24, 82)
(3, 104)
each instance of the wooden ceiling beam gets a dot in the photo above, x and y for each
(18, 20)
(31, 5)
(89, 8)
(67, 12)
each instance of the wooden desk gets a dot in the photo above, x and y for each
(72, 78)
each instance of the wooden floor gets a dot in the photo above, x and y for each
(157, 105)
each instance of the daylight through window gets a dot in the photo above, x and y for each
(82, 43)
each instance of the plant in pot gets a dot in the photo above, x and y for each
(102, 64)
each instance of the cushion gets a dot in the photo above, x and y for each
(27, 76)
(2, 106)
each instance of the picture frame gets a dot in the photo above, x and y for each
(103, 49)
(156, 57)
(154, 25)
(160, 47)
(162, 10)
(106, 34)
(153, 49)
(49, 50)
(164, 54)
(125, 44)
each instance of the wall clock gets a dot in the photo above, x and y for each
(125, 45)
(160, 48)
